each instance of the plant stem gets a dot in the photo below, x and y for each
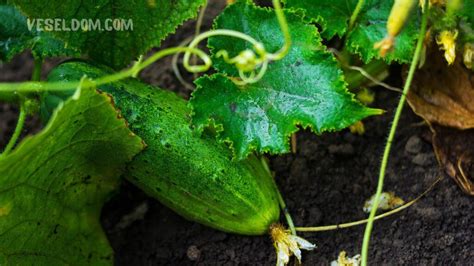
(285, 30)
(31, 87)
(383, 215)
(283, 207)
(355, 14)
(386, 154)
(8, 97)
(17, 132)
(281, 201)
(355, 79)
(36, 75)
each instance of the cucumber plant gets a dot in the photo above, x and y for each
(203, 158)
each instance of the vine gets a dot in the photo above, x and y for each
(355, 13)
(393, 129)
(364, 221)
(25, 106)
(247, 62)
(251, 65)
(18, 129)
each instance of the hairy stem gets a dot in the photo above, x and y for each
(281, 201)
(393, 129)
(284, 208)
(17, 132)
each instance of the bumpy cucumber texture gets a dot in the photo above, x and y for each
(193, 175)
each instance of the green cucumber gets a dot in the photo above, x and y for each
(193, 175)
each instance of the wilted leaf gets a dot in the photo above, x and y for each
(306, 88)
(53, 185)
(444, 94)
(455, 151)
(343, 260)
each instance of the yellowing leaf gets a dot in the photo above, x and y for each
(53, 185)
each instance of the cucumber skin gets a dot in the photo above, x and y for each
(193, 175)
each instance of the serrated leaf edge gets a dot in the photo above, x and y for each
(296, 125)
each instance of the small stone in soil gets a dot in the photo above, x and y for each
(422, 159)
(193, 253)
(413, 145)
(342, 149)
(136, 215)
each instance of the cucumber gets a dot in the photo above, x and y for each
(193, 175)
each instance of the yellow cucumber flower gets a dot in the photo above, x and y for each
(447, 40)
(343, 260)
(399, 15)
(387, 201)
(385, 45)
(287, 244)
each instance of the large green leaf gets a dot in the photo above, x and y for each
(306, 88)
(370, 27)
(467, 11)
(333, 16)
(152, 21)
(15, 37)
(467, 22)
(53, 186)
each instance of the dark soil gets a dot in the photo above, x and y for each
(325, 182)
